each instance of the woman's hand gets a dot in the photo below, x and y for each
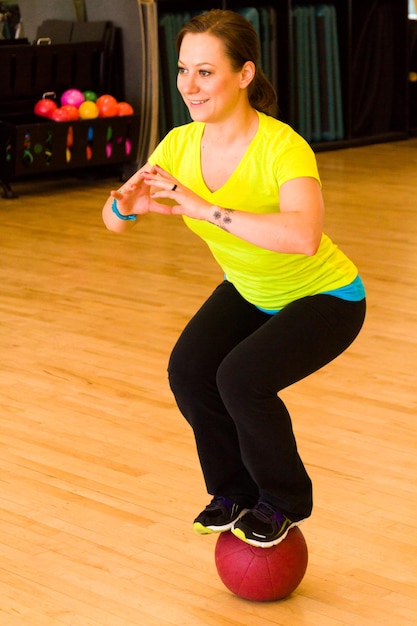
(179, 199)
(134, 197)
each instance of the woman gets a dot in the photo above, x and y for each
(290, 301)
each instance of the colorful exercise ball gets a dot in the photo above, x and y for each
(124, 108)
(107, 105)
(45, 107)
(105, 98)
(72, 111)
(90, 95)
(261, 574)
(107, 109)
(60, 115)
(72, 96)
(88, 110)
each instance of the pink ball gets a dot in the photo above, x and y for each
(74, 97)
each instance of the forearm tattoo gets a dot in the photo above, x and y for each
(222, 218)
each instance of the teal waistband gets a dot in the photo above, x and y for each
(354, 292)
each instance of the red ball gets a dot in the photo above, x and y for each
(124, 108)
(262, 574)
(108, 110)
(73, 112)
(107, 106)
(45, 107)
(60, 115)
(105, 98)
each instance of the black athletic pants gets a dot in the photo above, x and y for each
(226, 371)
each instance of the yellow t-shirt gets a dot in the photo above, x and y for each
(267, 279)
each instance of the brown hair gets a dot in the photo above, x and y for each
(241, 44)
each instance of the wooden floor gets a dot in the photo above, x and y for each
(99, 480)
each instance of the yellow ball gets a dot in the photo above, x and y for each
(88, 110)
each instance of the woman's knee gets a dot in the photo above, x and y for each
(178, 368)
(238, 382)
(188, 369)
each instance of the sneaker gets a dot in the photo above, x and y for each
(218, 516)
(263, 526)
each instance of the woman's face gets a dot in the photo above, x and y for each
(211, 89)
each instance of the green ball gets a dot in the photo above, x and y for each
(90, 96)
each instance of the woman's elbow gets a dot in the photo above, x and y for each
(311, 245)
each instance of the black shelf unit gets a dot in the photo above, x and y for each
(412, 84)
(32, 145)
(374, 51)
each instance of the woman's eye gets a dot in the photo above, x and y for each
(183, 70)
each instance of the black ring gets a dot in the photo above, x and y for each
(174, 188)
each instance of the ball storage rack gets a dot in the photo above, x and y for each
(32, 145)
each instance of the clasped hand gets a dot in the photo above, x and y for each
(155, 191)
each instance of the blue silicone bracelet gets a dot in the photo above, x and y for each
(120, 215)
